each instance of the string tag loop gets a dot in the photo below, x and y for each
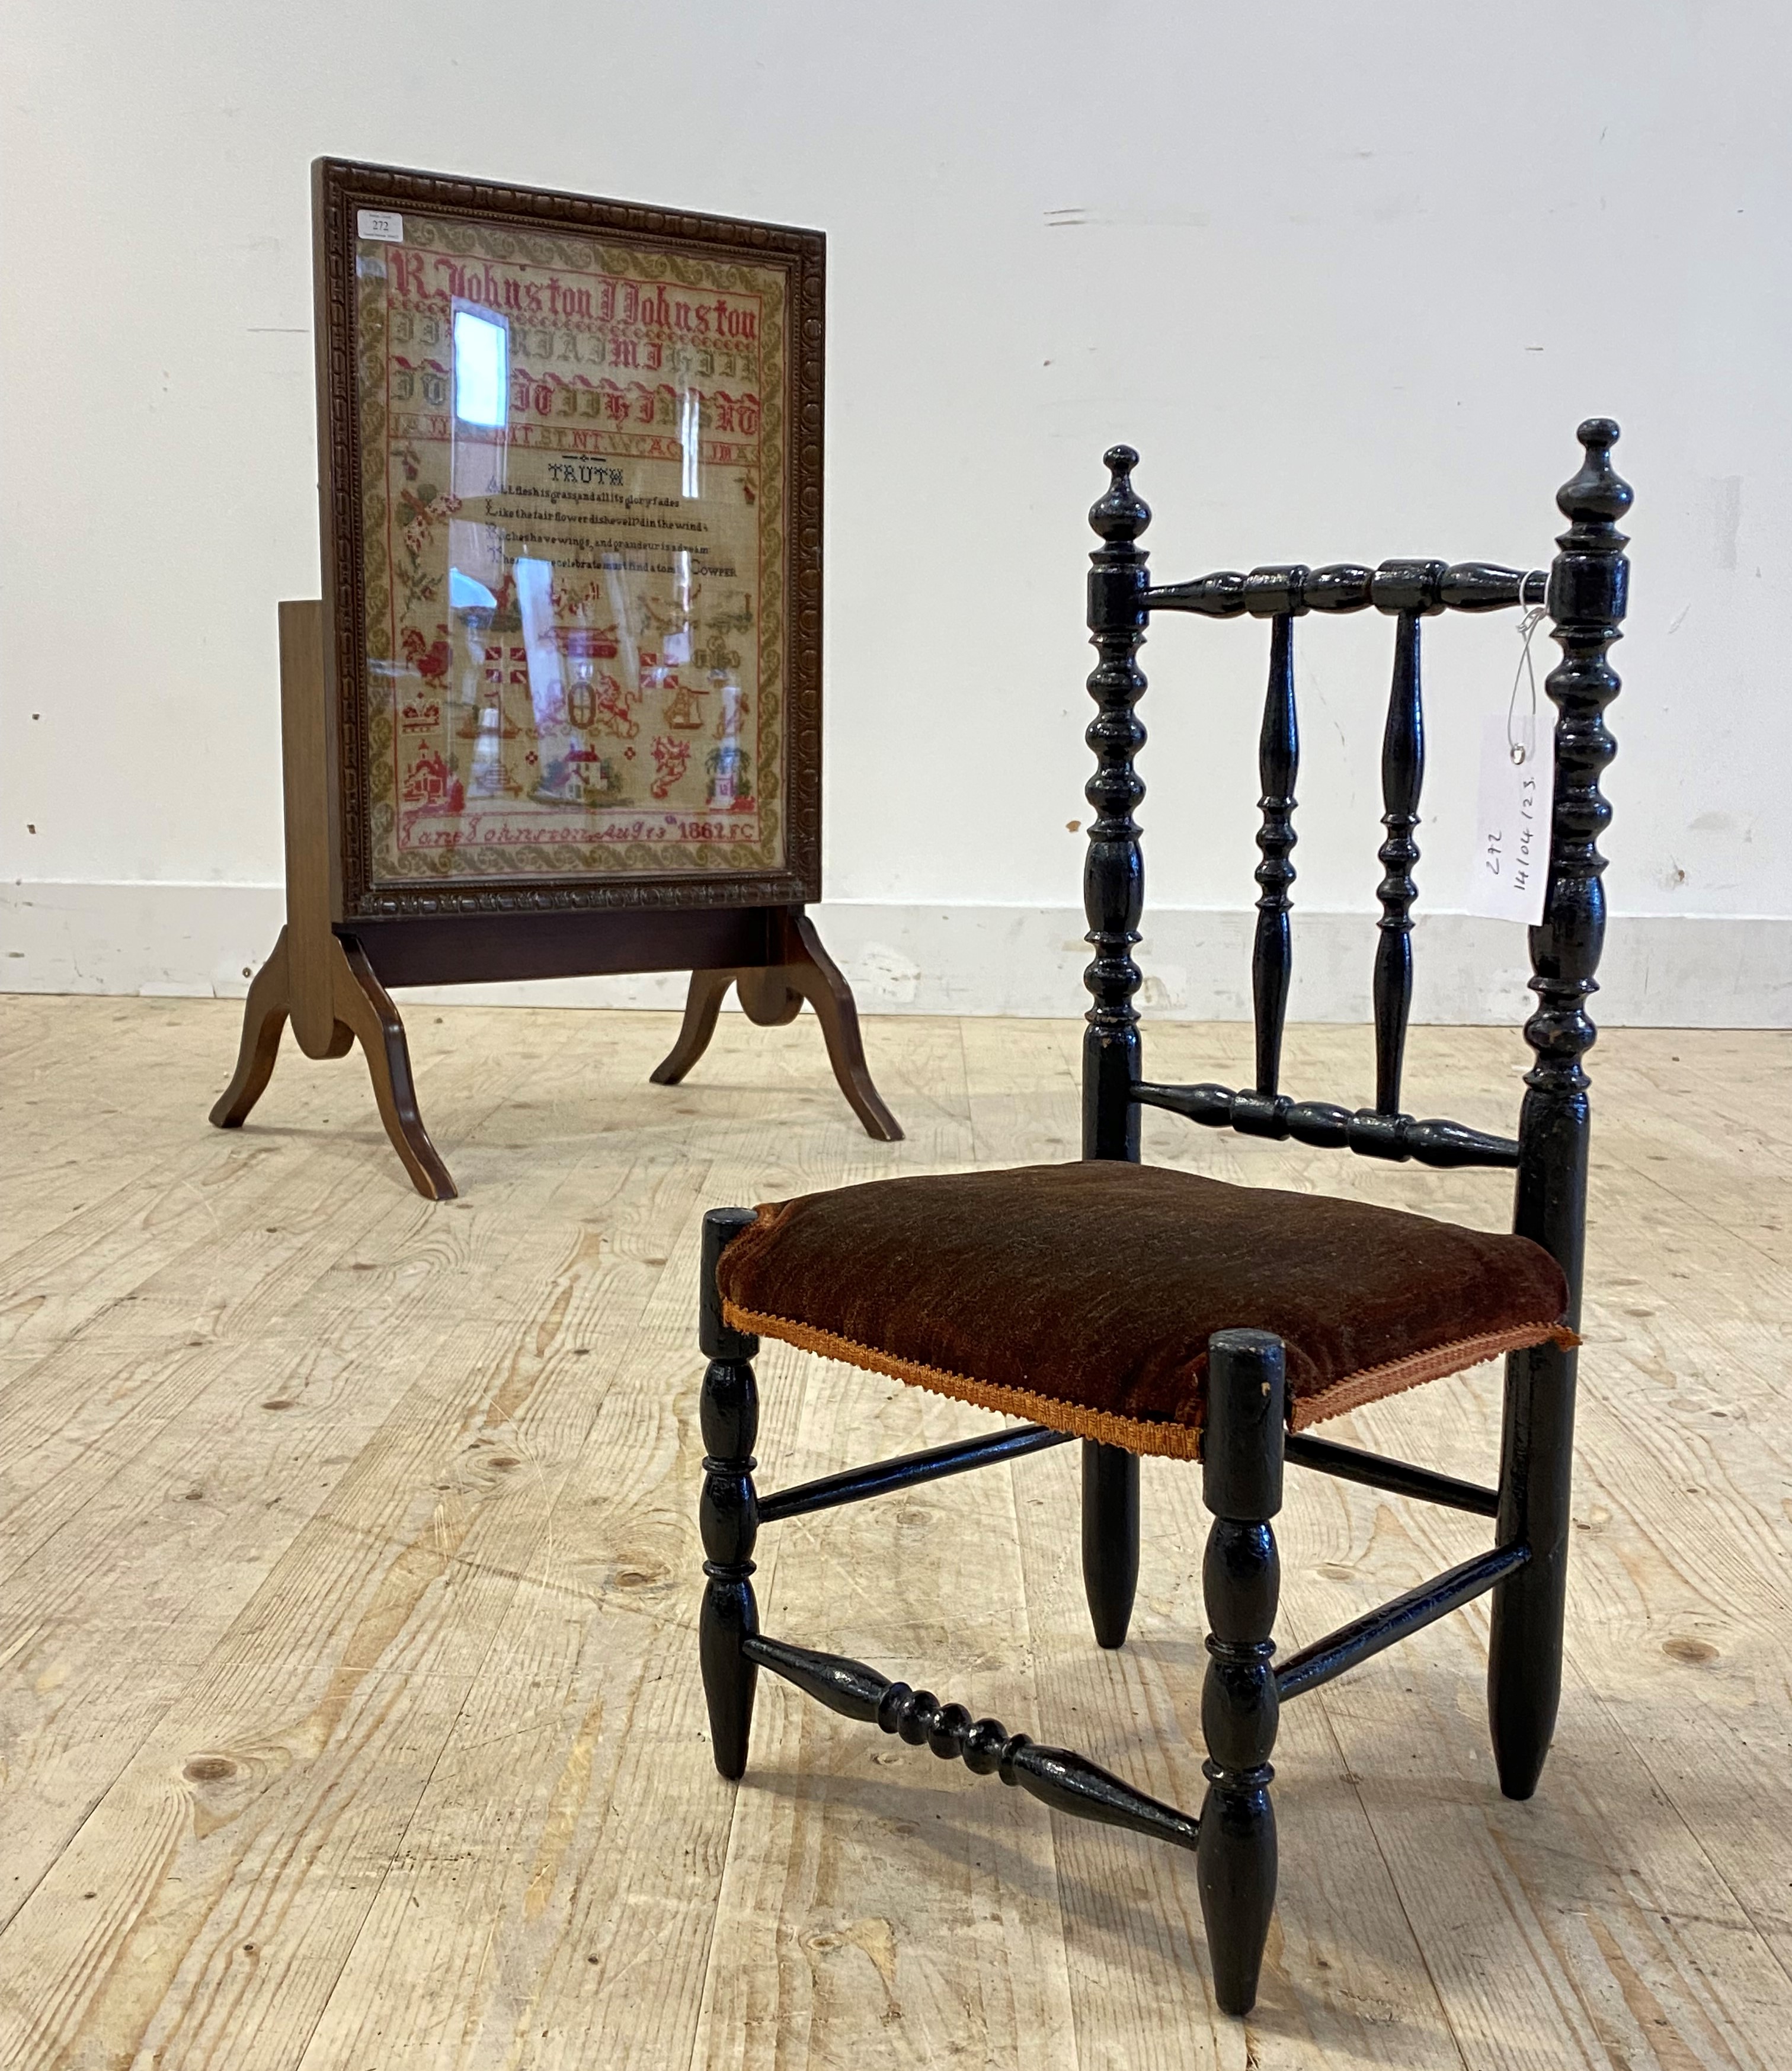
(1521, 736)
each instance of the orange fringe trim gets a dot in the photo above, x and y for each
(1174, 1442)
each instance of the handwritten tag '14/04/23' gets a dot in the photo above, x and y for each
(1511, 820)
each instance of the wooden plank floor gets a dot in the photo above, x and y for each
(349, 1712)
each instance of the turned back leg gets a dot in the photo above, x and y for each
(1110, 1539)
(1524, 1660)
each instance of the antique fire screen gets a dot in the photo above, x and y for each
(559, 711)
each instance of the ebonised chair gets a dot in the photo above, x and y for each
(1147, 1311)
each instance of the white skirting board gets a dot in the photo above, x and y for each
(1660, 970)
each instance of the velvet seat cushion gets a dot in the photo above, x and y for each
(1082, 1296)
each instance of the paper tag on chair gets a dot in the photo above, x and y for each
(1511, 819)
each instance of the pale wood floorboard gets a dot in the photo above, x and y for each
(349, 1712)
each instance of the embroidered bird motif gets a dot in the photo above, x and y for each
(432, 662)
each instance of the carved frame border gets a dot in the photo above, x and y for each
(339, 188)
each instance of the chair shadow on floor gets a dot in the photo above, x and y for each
(1110, 1919)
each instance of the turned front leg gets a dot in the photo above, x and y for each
(1241, 1485)
(728, 1511)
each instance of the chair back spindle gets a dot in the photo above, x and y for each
(1278, 758)
(1402, 776)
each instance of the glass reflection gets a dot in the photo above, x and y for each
(482, 352)
(579, 515)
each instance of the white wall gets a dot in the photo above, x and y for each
(1347, 279)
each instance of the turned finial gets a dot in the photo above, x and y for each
(1598, 495)
(1122, 514)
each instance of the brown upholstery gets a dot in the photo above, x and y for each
(1083, 1296)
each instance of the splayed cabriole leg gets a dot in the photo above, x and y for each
(773, 994)
(728, 1511)
(265, 1015)
(364, 1012)
(702, 1008)
(1110, 1539)
(324, 982)
(813, 973)
(1067, 1782)
(1241, 1486)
